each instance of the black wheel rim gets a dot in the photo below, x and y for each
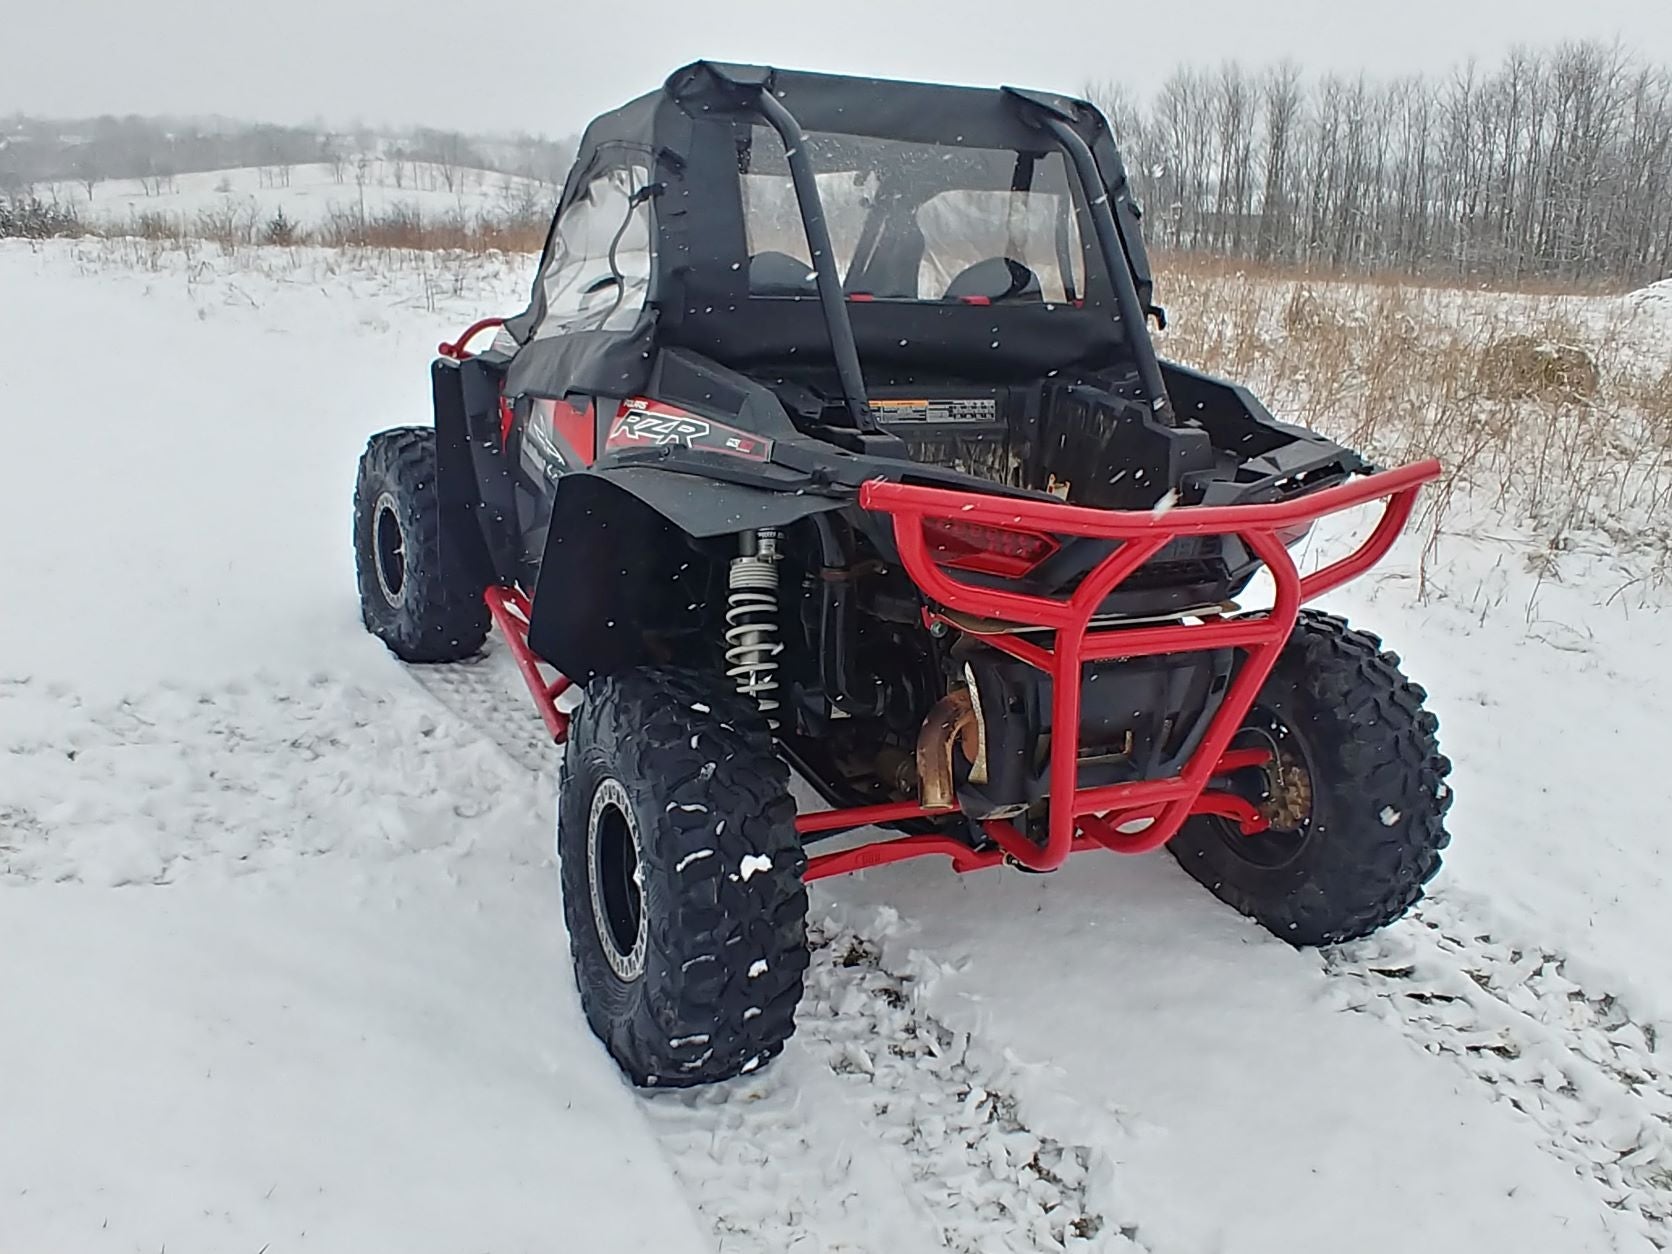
(612, 848)
(389, 549)
(1282, 792)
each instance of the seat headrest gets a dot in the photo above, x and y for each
(779, 274)
(996, 279)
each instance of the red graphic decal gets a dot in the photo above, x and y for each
(643, 423)
(507, 417)
(575, 425)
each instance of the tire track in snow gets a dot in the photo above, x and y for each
(877, 1122)
(488, 693)
(1571, 1057)
(180, 780)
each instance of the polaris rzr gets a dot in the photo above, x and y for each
(833, 441)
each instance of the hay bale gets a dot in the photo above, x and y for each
(1525, 367)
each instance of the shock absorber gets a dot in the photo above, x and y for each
(752, 644)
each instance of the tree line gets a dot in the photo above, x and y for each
(1554, 165)
(156, 150)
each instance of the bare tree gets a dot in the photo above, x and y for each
(89, 168)
(449, 153)
(1281, 104)
(1554, 164)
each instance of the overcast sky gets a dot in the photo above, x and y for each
(548, 65)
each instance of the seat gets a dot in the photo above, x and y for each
(996, 279)
(779, 274)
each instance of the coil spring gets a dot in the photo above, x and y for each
(752, 647)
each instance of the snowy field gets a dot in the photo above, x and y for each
(309, 195)
(282, 964)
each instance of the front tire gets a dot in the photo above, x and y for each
(416, 594)
(1356, 798)
(681, 873)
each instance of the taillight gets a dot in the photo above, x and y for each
(986, 550)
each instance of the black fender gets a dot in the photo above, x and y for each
(635, 560)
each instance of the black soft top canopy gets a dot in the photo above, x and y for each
(929, 113)
(692, 138)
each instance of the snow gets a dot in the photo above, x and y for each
(1210, 1062)
(311, 196)
(338, 1013)
(283, 958)
(312, 1064)
(1655, 291)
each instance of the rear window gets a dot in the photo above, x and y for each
(598, 268)
(915, 221)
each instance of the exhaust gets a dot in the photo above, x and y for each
(953, 720)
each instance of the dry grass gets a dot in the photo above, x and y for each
(1169, 262)
(407, 228)
(432, 279)
(1552, 413)
(232, 226)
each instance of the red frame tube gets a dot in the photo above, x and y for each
(456, 350)
(510, 610)
(880, 853)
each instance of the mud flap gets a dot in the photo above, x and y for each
(473, 481)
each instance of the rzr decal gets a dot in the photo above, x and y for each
(642, 423)
(639, 427)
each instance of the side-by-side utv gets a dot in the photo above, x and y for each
(833, 440)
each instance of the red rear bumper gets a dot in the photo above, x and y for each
(1149, 811)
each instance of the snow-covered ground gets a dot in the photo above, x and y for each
(281, 959)
(308, 194)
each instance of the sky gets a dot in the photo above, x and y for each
(548, 66)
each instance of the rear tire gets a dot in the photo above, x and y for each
(1357, 812)
(681, 873)
(416, 594)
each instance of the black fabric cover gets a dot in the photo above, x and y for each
(596, 363)
(700, 295)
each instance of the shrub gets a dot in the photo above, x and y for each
(1525, 367)
(34, 218)
(281, 231)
